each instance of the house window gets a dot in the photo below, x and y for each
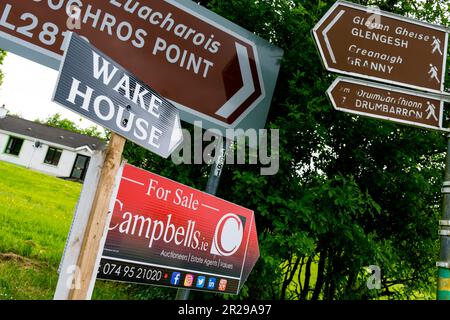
(14, 145)
(53, 156)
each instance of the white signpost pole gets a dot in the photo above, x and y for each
(68, 272)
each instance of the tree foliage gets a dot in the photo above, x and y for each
(2, 58)
(58, 121)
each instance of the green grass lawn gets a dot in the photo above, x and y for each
(35, 216)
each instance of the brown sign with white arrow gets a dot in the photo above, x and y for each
(386, 102)
(208, 67)
(373, 44)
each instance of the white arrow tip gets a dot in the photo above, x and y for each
(177, 134)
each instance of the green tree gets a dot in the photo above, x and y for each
(362, 191)
(57, 121)
(2, 58)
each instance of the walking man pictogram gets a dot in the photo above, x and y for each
(431, 111)
(433, 73)
(436, 45)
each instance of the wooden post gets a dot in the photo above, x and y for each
(98, 217)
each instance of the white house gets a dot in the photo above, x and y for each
(53, 151)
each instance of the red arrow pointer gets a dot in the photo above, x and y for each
(354, 40)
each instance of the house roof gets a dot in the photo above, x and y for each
(50, 134)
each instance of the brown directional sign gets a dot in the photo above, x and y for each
(386, 102)
(364, 42)
(208, 67)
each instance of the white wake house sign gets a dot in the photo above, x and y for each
(93, 85)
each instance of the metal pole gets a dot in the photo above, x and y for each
(211, 188)
(443, 285)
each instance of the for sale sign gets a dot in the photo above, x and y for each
(165, 233)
